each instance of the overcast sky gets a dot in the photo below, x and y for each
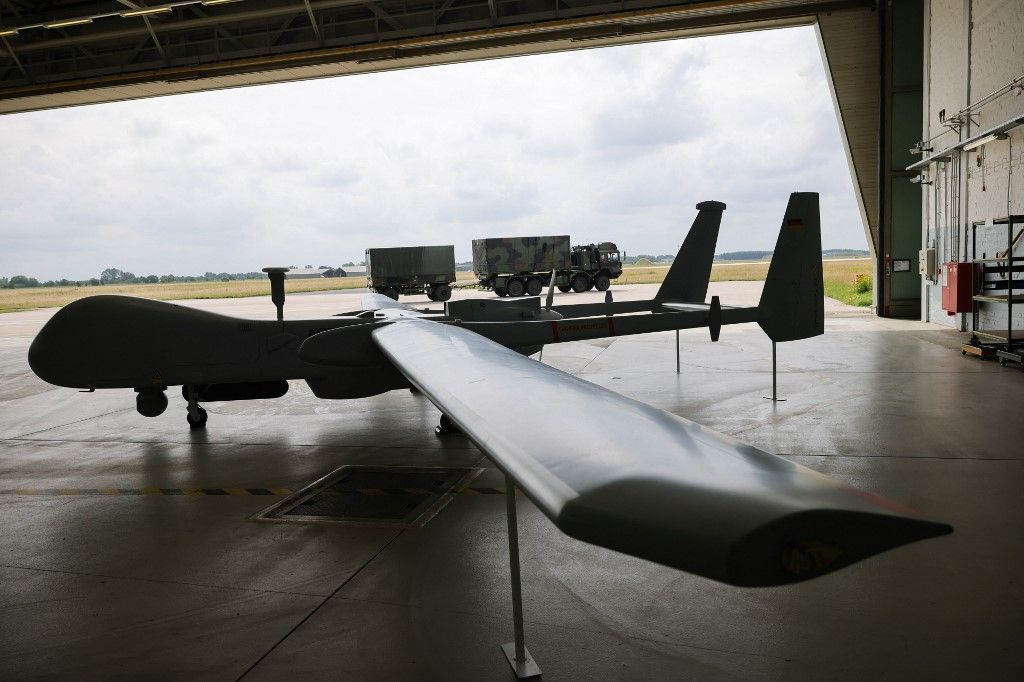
(613, 144)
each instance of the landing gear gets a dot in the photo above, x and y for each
(194, 414)
(445, 426)
(199, 422)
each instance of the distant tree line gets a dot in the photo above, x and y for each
(117, 276)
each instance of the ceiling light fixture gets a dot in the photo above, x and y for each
(145, 11)
(984, 140)
(68, 22)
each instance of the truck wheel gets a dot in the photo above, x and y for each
(602, 282)
(564, 289)
(390, 292)
(580, 283)
(516, 288)
(501, 292)
(441, 292)
(534, 286)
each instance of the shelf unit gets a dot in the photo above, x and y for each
(998, 282)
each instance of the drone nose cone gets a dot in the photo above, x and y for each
(56, 353)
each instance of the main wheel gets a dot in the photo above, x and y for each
(564, 289)
(445, 426)
(515, 287)
(197, 424)
(390, 292)
(602, 282)
(580, 283)
(534, 286)
(440, 292)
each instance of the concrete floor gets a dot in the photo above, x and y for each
(167, 587)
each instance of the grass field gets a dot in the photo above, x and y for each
(840, 282)
(840, 277)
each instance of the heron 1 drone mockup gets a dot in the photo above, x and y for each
(655, 486)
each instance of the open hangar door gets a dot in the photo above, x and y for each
(74, 53)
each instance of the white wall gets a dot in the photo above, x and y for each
(996, 56)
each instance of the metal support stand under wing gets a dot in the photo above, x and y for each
(515, 651)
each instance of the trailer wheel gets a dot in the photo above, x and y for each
(390, 292)
(602, 282)
(516, 288)
(580, 283)
(440, 292)
(534, 286)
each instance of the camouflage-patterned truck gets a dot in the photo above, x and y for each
(411, 270)
(517, 266)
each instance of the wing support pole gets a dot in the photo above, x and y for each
(518, 657)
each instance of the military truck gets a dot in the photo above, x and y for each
(517, 266)
(411, 270)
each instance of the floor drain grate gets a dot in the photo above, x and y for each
(397, 497)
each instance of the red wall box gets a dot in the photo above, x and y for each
(958, 290)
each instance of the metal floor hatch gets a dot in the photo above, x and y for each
(395, 497)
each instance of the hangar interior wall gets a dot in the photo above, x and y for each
(973, 48)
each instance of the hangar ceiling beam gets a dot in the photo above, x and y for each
(260, 41)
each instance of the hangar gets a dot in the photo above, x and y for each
(129, 581)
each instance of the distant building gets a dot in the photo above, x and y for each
(308, 273)
(353, 271)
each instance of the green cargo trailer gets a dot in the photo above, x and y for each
(411, 270)
(514, 266)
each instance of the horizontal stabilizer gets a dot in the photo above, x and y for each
(664, 489)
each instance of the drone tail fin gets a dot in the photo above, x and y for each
(687, 279)
(792, 304)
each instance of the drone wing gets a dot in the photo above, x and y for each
(381, 302)
(621, 474)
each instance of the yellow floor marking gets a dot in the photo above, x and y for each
(193, 491)
(281, 491)
(236, 491)
(109, 491)
(152, 491)
(67, 491)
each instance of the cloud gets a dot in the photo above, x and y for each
(604, 144)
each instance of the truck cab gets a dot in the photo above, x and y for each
(600, 262)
